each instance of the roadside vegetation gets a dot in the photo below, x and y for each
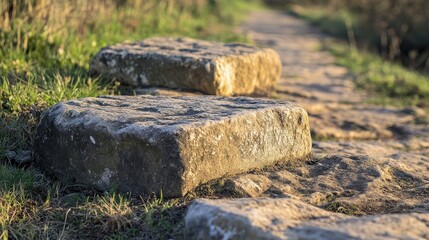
(385, 44)
(45, 50)
(392, 83)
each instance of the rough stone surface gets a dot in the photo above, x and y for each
(150, 144)
(184, 63)
(363, 122)
(351, 184)
(285, 218)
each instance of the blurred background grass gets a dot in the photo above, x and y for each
(64, 34)
(396, 29)
(387, 43)
(44, 41)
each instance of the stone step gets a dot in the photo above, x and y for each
(209, 67)
(146, 144)
(283, 218)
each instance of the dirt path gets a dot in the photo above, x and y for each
(326, 90)
(307, 72)
(370, 159)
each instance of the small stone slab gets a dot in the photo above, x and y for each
(184, 63)
(283, 218)
(146, 144)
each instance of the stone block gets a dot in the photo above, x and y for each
(146, 144)
(189, 64)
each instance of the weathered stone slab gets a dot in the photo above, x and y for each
(147, 144)
(282, 218)
(184, 63)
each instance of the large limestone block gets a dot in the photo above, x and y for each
(184, 63)
(150, 144)
(264, 218)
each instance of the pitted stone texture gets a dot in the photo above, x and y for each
(353, 184)
(184, 63)
(266, 218)
(148, 144)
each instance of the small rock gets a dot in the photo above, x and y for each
(249, 185)
(416, 111)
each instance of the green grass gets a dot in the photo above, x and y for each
(41, 65)
(43, 89)
(392, 83)
(32, 207)
(73, 50)
(341, 207)
(333, 23)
